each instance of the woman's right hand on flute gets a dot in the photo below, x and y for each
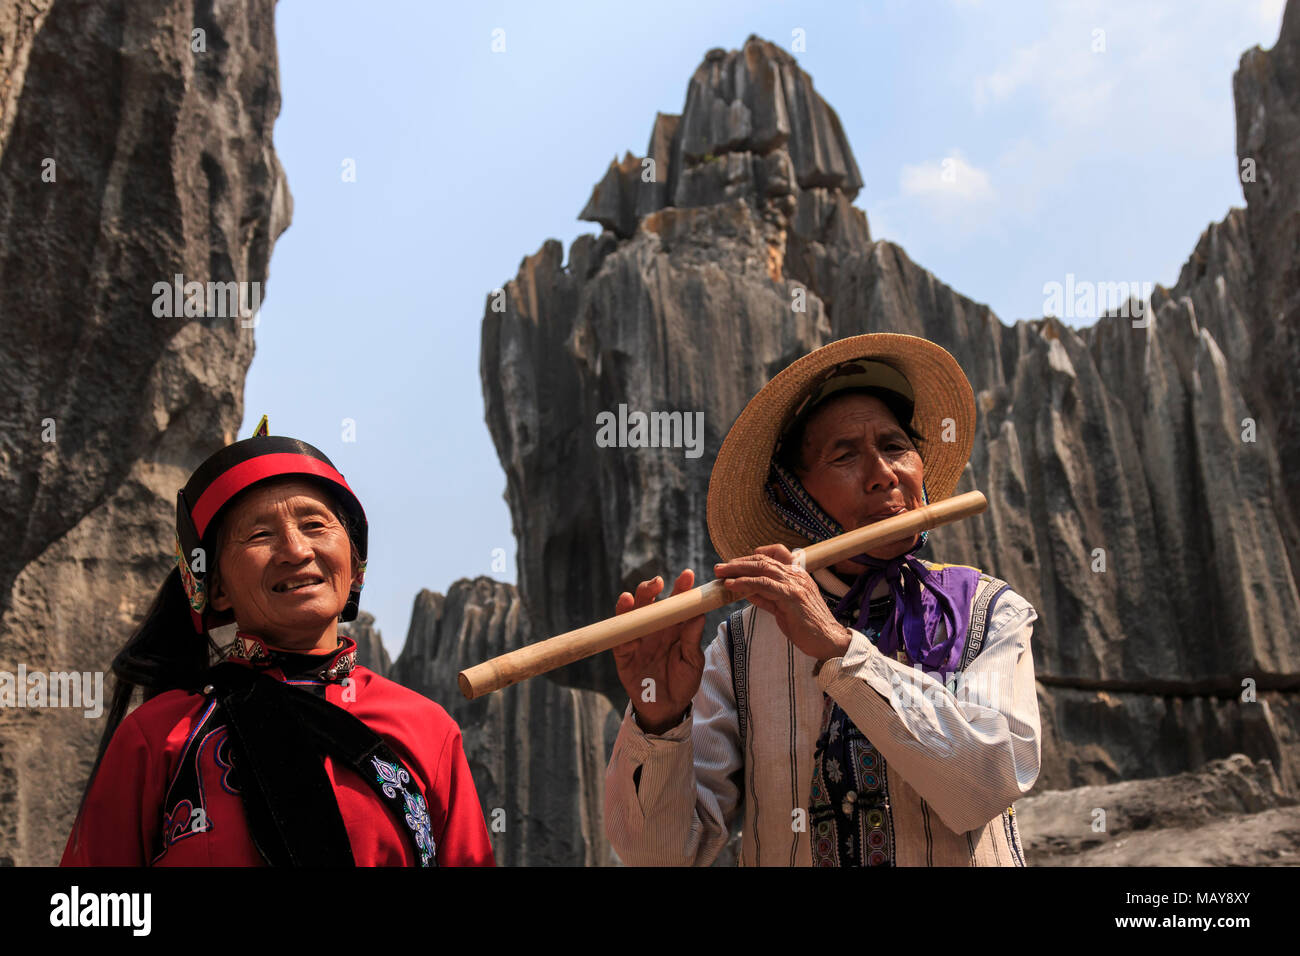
(661, 672)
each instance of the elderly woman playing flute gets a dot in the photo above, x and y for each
(880, 712)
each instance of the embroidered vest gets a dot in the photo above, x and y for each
(982, 608)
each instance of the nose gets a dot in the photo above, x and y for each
(293, 547)
(877, 473)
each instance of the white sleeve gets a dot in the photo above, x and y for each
(971, 754)
(670, 798)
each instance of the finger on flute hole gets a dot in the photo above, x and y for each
(646, 590)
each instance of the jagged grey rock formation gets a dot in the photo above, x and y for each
(757, 169)
(1231, 812)
(1121, 441)
(125, 158)
(536, 750)
(370, 644)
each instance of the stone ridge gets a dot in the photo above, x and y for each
(536, 750)
(163, 163)
(753, 128)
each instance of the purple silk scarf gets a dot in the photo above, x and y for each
(922, 598)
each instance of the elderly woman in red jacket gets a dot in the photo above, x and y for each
(285, 752)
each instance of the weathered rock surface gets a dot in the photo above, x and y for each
(370, 644)
(1100, 736)
(162, 164)
(1121, 441)
(1231, 812)
(536, 750)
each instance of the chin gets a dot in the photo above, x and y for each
(308, 619)
(894, 551)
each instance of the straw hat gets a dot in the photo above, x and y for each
(740, 514)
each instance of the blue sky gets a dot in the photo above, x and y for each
(1106, 163)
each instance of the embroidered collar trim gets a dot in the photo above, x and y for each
(256, 652)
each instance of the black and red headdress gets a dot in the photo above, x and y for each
(232, 470)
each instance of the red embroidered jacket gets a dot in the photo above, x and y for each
(166, 793)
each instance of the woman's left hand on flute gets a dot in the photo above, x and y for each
(772, 580)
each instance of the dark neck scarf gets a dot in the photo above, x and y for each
(923, 599)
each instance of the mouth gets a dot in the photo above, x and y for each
(886, 512)
(299, 585)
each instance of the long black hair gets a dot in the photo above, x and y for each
(164, 653)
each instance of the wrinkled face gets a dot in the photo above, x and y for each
(285, 564)
(861, 467)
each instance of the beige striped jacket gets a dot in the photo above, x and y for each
(957, 754)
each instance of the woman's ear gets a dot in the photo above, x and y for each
(358, 569)
(217, 599)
